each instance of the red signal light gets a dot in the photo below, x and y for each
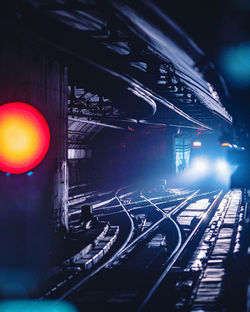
(24, 137)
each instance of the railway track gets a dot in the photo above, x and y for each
(73, 280)
(146, 257)
(179, 250)
(141, 203)
(200, 278)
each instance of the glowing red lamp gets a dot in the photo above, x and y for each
(24, 137)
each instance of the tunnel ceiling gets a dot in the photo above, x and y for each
(129, 63)
(81, 134)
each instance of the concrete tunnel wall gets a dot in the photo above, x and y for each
(28, 202)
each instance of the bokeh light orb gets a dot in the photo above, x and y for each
(24, 137)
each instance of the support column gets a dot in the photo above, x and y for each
(170, 135)
(30, 205)
(61, 183)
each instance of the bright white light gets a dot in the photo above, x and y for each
(197, 144)
(223, 171)
(200, 165)
(222, 166)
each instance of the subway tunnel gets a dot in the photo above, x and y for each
(124, 167)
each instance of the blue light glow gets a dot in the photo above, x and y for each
(222, 166)
(200, 165)
(36, 306)
(30, 173)
(235, 63)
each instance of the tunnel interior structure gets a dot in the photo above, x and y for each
(132, 106)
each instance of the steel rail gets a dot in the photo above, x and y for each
(177, 254)
(124, 248)
(130, 233)
(155, 198)
(86, 278)
(166, 215)
(169, 216)
(170, 197)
